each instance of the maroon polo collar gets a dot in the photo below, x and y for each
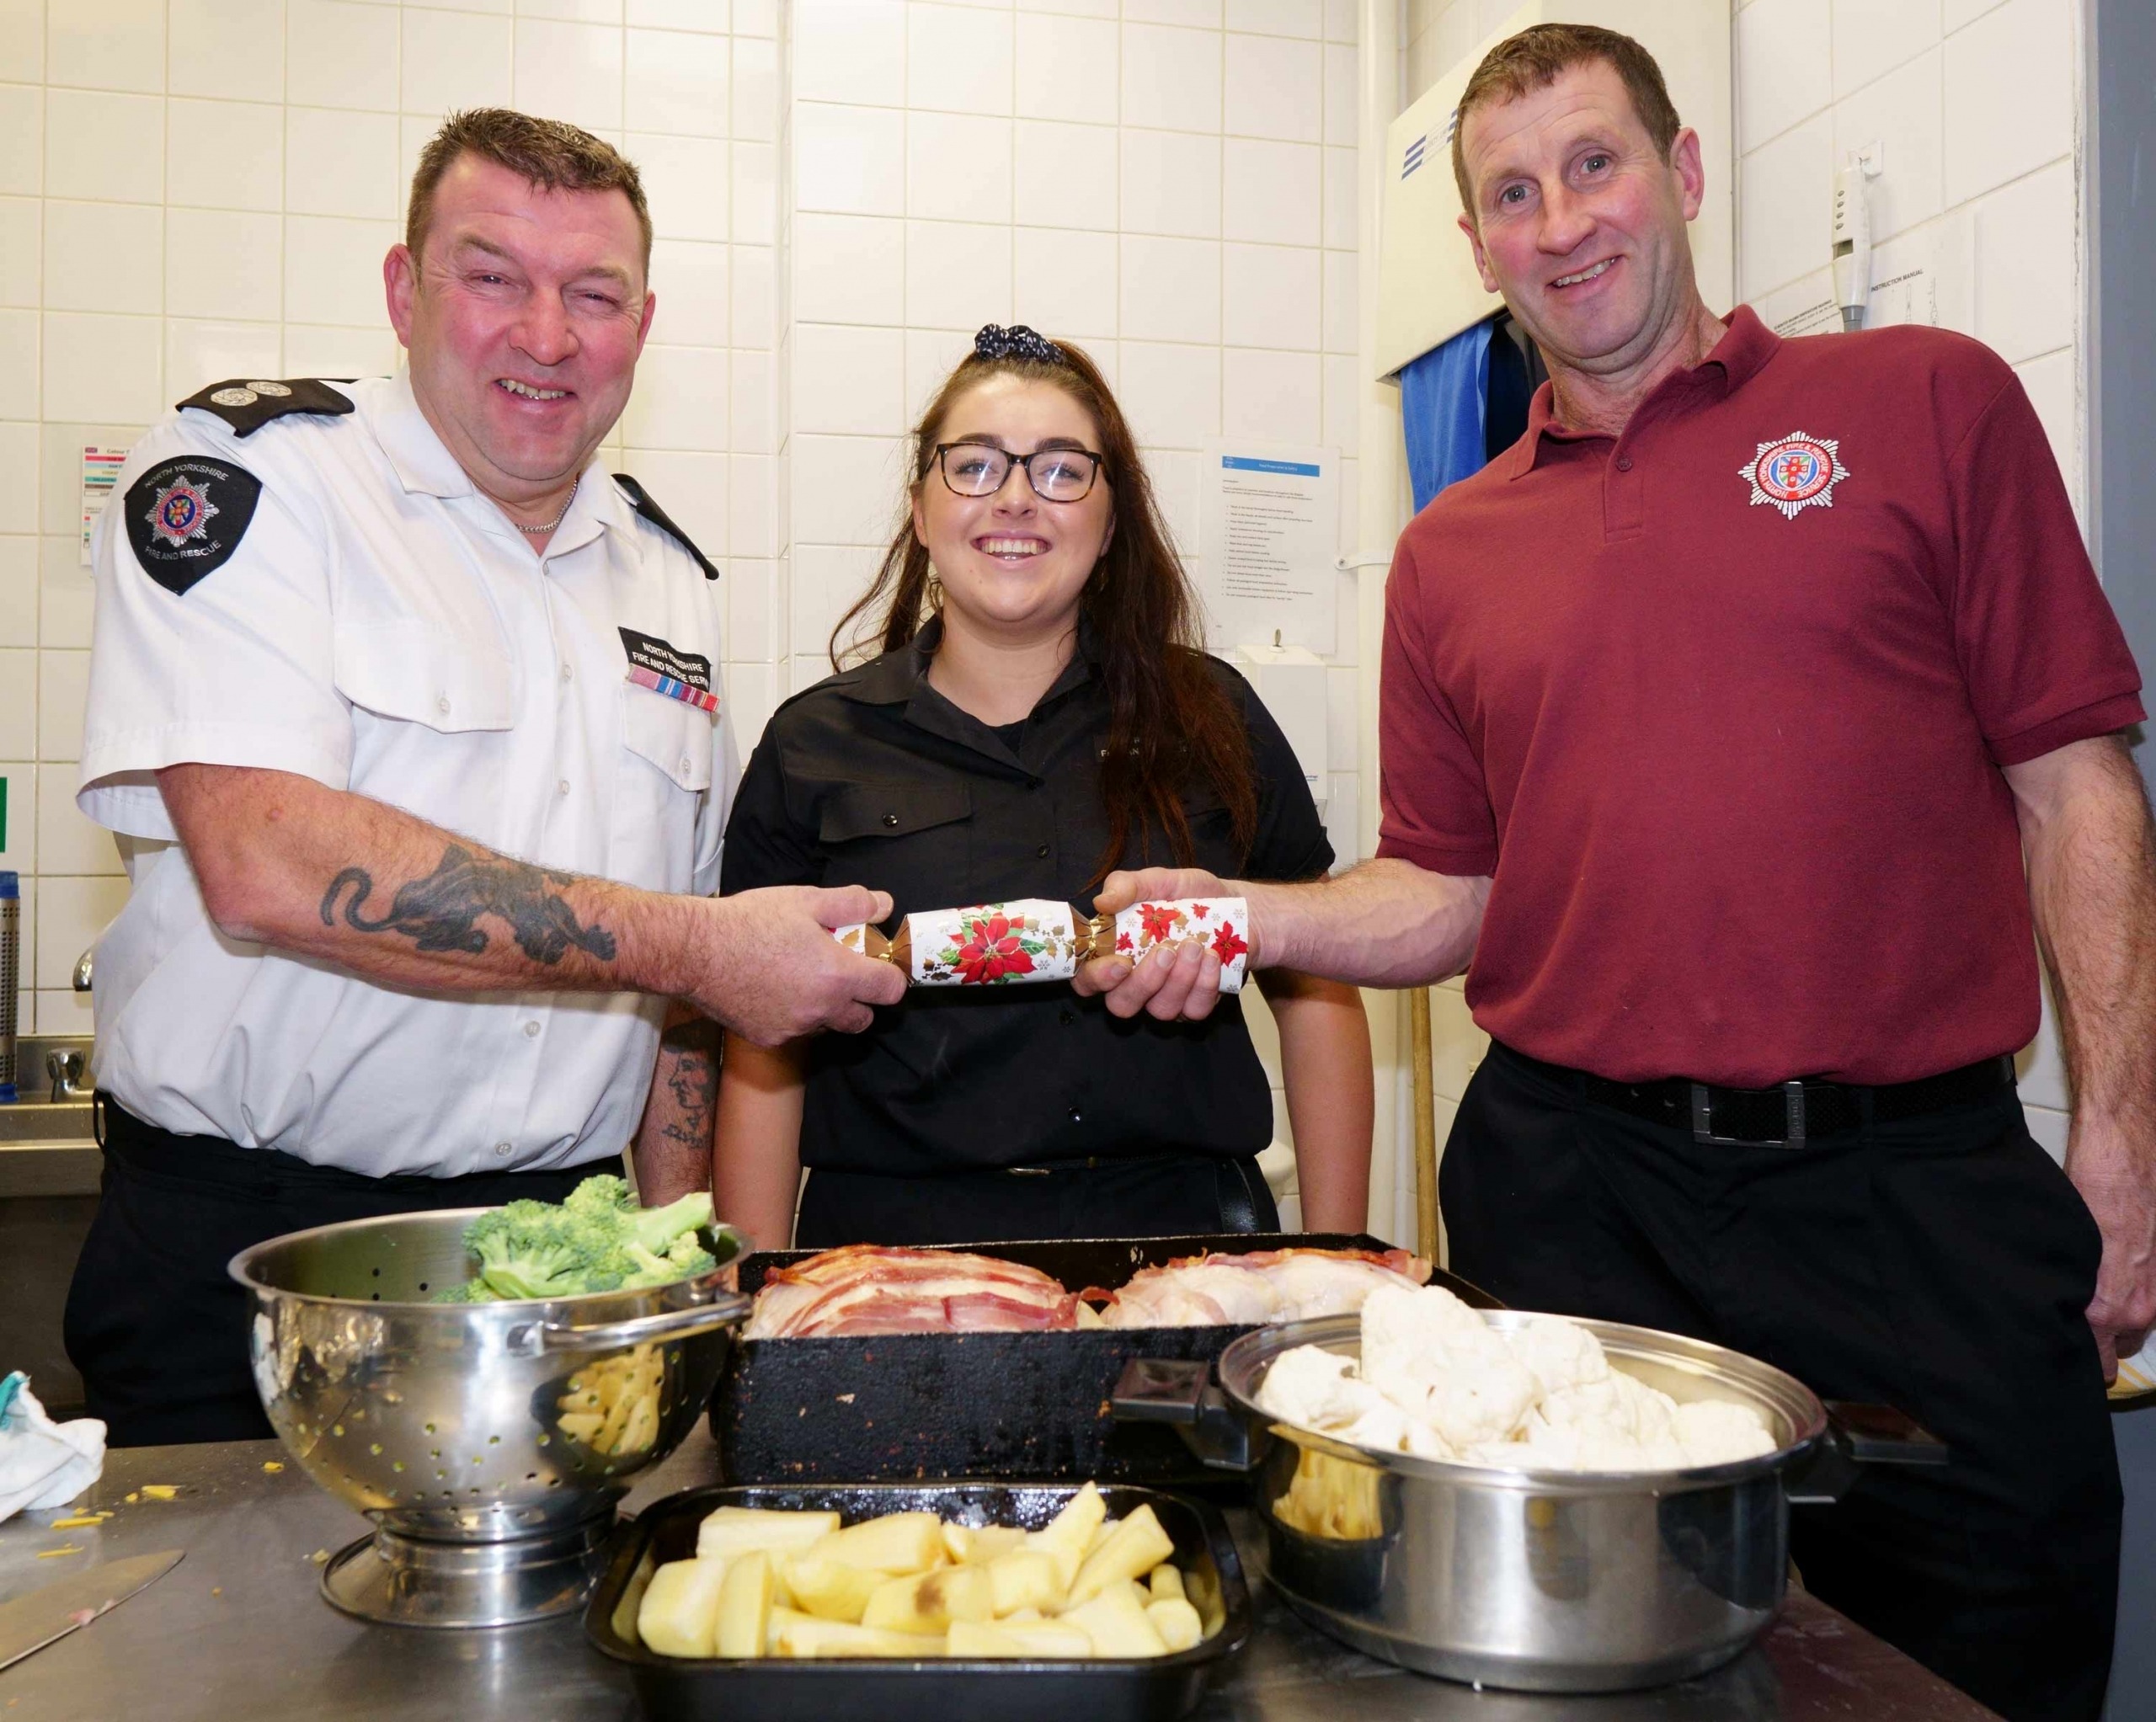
(1739, 355)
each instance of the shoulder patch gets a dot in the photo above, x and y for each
(640, 500)
(184, 518)
(249, 405)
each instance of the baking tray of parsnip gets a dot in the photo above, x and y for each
(771, 1688)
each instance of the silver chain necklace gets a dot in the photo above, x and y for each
(558, 518)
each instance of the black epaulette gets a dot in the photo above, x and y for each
(247, 405)
(640, 499)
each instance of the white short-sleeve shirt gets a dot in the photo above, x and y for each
(383, 628)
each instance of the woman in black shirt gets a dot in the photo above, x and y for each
(1041, 712)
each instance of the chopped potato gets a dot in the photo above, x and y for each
(806, 1635)
(896, 1542)
(1116, 1624)
(1136, 1546)
(1067, 1536)
(976, 1545)
(745, 1605)
(1177, 1621)
(930, 1601)
(1028, 1579)
(1050, 1639)
(736, 1530)
(780, 1584)
(680, 1611)
(828, 1588)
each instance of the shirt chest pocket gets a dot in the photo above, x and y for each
(911, 839)
(420, 674)
(662, 779)
(672, 737)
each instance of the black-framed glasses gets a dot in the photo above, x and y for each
(979, 468)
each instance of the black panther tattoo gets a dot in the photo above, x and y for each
(439, 912)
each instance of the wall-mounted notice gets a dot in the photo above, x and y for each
(100, 471)
(1271, 527)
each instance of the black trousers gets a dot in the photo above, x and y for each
(157, 1326)
(1157, 1196)
(1939, 1264)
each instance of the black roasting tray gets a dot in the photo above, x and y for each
(1158, 1689)
(1016, 1406)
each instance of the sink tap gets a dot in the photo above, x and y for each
(83, 969)
(66, 1069)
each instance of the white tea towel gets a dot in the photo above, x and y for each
(42, 1462)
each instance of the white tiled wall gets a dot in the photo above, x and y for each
(192, 189)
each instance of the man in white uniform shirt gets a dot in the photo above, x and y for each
(411, 712)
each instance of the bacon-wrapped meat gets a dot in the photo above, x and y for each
(866, 1289)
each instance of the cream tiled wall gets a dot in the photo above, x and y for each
(1979, 106)
(193, 189)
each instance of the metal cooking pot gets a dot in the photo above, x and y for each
(1545, 1580)
(487, 1442)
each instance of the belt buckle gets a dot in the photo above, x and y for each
(1703, 1130)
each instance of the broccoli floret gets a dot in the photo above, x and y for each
(659, 1228)
(597, 1240)
(684, 1260)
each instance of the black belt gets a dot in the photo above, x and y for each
(1786, 1114)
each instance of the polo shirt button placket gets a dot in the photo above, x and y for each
(1624, 509)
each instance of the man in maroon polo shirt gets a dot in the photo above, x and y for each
(1721, 718)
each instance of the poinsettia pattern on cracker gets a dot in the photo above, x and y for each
(1220, 923)
(1030, 940)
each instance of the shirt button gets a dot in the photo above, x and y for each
(890, 819)
(531, 1030)
(685, 764)
(568, 675)
(442, 704)
(1623, 463)
(562, 788)
(1042, 852)
(501, 1148)
(1066, 1018)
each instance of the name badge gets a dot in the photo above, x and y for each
(666, 670)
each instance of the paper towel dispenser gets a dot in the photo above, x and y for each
(1428, 287)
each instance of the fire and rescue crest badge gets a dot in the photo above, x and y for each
(1795, 472)
(184, 518)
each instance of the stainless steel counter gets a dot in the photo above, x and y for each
(238, 1632)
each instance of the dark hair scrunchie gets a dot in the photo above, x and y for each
(1018, 342)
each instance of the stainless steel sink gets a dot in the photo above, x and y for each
(45, 1121)
(48, 1146)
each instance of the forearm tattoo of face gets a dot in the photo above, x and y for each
(690, 1054)
(441, 912)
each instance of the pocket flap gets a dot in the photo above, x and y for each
(423, 674)
(855, 810)
(673, 735)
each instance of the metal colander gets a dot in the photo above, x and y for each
(489, 1442)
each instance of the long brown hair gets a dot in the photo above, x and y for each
(1169, 718)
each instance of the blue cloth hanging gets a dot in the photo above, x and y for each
(1443, 397)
